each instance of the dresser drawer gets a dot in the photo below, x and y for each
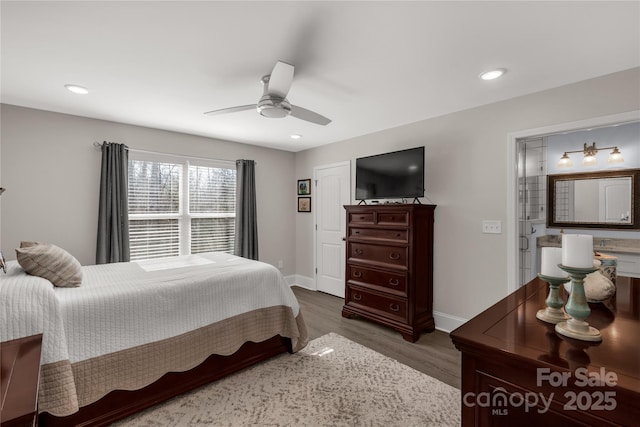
(378, 254)
(361, 218)
(379, 234)
(393, 218)
(387, 306)
(386, 281)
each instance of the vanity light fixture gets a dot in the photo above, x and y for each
(589, 159)
(565, 161)
(80, 90)
(615, 156)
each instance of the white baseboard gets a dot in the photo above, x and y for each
(302, 281)
(446, 322)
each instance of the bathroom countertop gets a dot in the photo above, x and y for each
(600, 244)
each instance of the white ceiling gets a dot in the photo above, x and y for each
(366, 65)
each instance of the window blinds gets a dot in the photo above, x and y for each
(168, 216)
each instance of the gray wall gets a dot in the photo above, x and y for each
(52, 171)
(466, 174)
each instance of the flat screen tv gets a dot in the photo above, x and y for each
(395, 175)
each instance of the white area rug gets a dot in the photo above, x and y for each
(332, 382)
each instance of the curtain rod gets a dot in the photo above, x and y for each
(98, 146)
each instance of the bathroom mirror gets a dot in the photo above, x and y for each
(605, 199)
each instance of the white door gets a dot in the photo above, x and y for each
(332, 192)
(615, 200)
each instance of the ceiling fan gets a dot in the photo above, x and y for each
(274, 103)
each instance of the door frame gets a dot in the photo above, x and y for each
(513, 261)
(346, 163)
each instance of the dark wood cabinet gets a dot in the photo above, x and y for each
(508, 355)
(389, 266)
(19, 380)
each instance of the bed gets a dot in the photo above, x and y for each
(134, 334)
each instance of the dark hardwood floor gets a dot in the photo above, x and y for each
(433, 354)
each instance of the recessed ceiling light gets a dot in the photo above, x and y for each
(493, 74)
(77, 89)
(296, 136)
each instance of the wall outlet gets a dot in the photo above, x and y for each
(280, 264)
(492, 226)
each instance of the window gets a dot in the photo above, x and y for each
(170, 215)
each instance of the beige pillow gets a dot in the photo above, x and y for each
(50, 262)
(597, 287)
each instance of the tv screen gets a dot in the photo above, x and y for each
(395, 175)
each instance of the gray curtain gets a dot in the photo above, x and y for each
(113, 215)
(246, 242)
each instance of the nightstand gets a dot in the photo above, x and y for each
(19, 378)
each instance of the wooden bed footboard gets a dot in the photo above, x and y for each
(120, 403)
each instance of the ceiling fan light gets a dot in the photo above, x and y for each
(273, 112)
(565, 161)
(273, 108)
(615, 157)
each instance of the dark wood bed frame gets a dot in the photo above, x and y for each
(120, 404)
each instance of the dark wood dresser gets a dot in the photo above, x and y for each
(389, 268)
(19, 380)
(508, 355)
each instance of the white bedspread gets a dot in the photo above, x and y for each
(122, 305)
(28, 306)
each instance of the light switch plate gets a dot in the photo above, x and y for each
(492, 226)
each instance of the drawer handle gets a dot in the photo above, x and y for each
(357, 297)
(392, 218)
(357, 274)
(394, 255)
(359, 251)
(398, 235)
(394, 307)
(394, 282)
(356, 232)
(361, 217)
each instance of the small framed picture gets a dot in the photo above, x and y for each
(304, 187)
(304, 204)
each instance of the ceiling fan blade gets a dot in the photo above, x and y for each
(308, 115)
(231, 110)
(280, 79)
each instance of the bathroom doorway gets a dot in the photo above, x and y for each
(532, 196)
(526, 198)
